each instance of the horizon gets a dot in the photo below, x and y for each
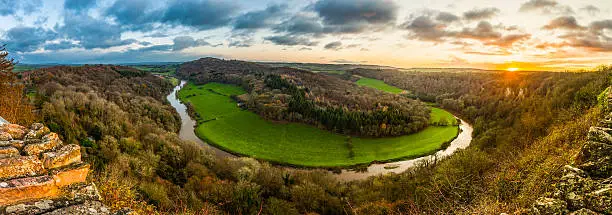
(532, 35)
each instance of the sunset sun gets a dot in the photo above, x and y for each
(512, 69)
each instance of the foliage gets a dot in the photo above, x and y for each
(14, 106)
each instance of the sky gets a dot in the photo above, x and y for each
(485, 34)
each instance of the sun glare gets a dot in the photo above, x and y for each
(513, 69)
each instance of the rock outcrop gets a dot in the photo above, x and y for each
(586, 185)
(40, 174)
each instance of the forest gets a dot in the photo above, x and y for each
(527, 126)
(287, 94)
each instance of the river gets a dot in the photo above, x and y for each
(462, 141)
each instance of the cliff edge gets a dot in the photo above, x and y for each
(586, 185)
(39, 174)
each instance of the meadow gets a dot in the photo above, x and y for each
(378, 84)
(227, 126)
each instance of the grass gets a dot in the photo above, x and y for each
(378, 84)
(246, 133)
(436, 113)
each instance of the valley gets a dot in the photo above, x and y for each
(227, 123)
(223, 124)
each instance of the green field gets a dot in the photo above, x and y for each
(246, 133)
(436, 113)
(378, 84)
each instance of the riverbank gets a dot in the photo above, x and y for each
(462, 140)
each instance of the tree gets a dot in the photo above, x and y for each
(6, 63)
(443, 121)
(14, 107)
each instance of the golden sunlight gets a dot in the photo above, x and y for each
(512, 69)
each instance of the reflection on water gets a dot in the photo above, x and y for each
(187, 131)
(462, 141)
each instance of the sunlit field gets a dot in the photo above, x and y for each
(239, 131)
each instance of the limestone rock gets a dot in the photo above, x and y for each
(22, 189)
(17, 144)
(572, 187)
(600, 200)
(75, 196)
(65, 156)
(15, 167)
(4, 136)
(546, 206)
(49, 142)
(599, 134)
(8, 151)
(89, 208)
(16, 131)
(596, 158)
(37, 131)
(37, 126)
(5, 143)
(584, 211)
(73, 175)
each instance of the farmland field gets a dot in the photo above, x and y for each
(243, 132)
(378, 84)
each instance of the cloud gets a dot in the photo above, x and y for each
(480, 14)
(79, 4)
(115, 57)
(508, 40)
(12, 7)
(599, 26)
(60, 46)
(424, 28)
(592, 38)
(199, 14)
(301, 24)
(28, 39)
(564, 22)
(354, 16)
(342, 12)
(289, 40)
(340, 17)
(546, 7)
(92, 33)
(134, 14)
(260, 19)
(591, 10)
(447, 17)
(484, 31)
(334, 45)
(185, 42)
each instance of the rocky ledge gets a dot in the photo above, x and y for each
(586, 186)
(39, 174)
